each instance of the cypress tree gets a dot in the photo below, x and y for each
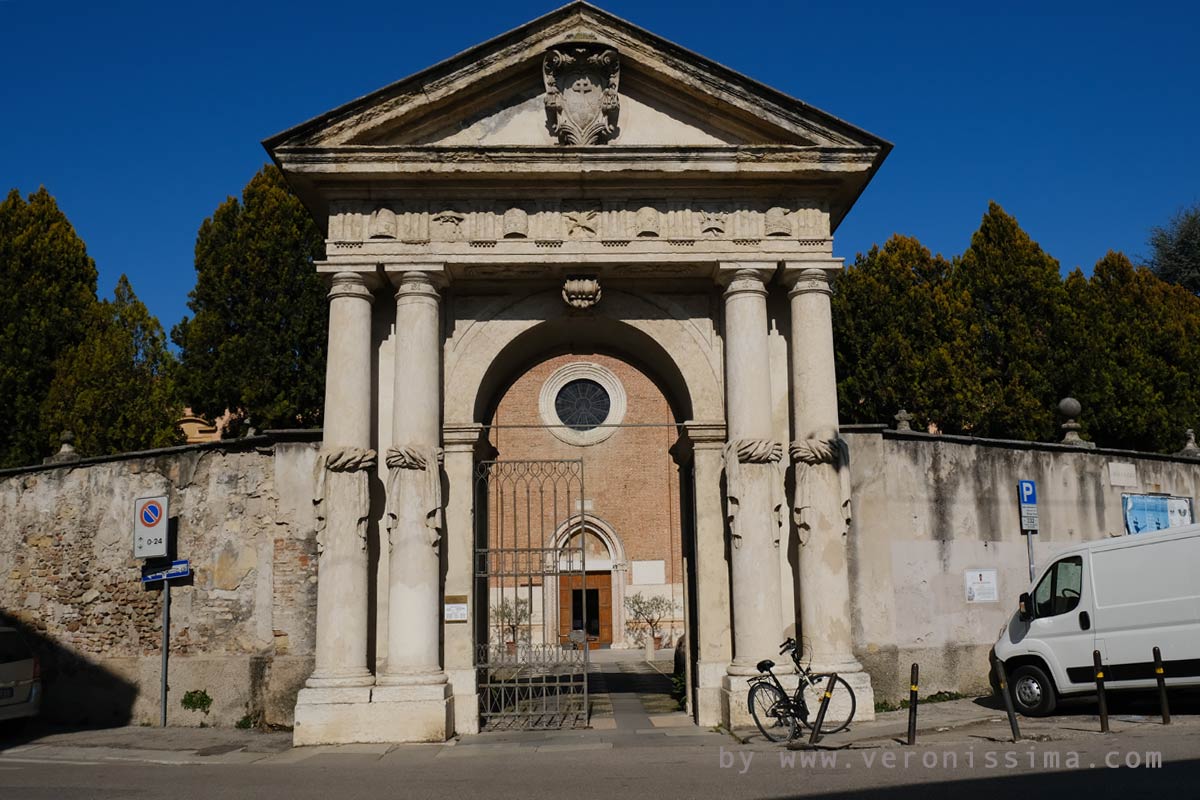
(47, 294)
(255, 344)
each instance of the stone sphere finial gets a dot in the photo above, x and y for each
(1190, 448)
(1070, 408)
(66, 451)
(903, 420)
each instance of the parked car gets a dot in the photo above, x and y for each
(1123, 597)
(20, 677)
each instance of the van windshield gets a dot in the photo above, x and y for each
(13, 648)
(1059, 589)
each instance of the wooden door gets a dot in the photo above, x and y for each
(587, 602)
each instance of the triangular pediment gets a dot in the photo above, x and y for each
(496, 95)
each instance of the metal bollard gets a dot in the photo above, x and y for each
(1162, 687)
(1002, 678)
(912, 705)
(815, 736)
(1098, 666)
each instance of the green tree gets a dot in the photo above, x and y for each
(1135, 341)
(903, 338)
(115, 390)
(1018, 308)
(1175, 249)
(47, 291)
(256, 343)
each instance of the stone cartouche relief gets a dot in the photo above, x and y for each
(613, 221)
(581, 93)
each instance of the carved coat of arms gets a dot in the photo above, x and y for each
(581, 92)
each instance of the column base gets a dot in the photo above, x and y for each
(864, 694)
(708, 693)
(354, 680)
(464, 685)
(415, 713)
(735, 697)
(735, 692)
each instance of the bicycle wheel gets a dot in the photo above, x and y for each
(772, 712)
(841, 704)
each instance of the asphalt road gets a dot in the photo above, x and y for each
(970, 766)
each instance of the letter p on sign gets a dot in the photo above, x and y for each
(1027, 492)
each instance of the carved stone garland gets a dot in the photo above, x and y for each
(355, 462)
(745, 451)
(427, 460)
(808, 455)
(581, 93)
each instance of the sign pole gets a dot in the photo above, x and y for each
(166, 643)
(1027, 502)
(1029, 547)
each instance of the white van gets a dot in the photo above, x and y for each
(1123, 597)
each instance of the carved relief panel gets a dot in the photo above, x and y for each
(612, 220)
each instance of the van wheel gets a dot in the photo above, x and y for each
(1032, 692)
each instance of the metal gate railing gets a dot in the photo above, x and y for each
(531, 653)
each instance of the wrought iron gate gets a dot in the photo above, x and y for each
(531, 653)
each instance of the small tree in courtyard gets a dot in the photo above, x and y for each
(648, 613)
(511, 619)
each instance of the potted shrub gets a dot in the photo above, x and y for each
(648, 613)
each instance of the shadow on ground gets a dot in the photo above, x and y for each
(77, 694)
(1120, 702)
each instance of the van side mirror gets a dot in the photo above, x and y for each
(1025, 609)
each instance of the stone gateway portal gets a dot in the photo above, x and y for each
(583, 208)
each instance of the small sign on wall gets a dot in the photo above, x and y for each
(982, 586)
(455, 608)
(648, 572)
(1121, 473)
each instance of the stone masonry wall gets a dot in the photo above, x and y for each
(241, 628)
(929, 508)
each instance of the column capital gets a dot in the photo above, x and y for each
(350, 284)
(705, 434)
(397, 272)
(810, 275)
(809, 281)
(417, 284)
(744, 276)
(464, 437)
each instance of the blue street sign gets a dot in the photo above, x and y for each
(178, 569)
(1027, 493)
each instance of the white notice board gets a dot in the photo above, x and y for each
(981, 585)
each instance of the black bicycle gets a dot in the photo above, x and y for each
(780, 717)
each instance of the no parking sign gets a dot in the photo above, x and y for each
(150, 527)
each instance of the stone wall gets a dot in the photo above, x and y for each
(241, 627)
(926, 509)
(929, 508)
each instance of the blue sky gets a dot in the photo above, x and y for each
(1080, 119)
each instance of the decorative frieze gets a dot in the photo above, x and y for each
(553, 220)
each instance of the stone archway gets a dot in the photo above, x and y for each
(688, 223)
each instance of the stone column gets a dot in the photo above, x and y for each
(753, 481)
(342, 501)
(412, 676)
(821, 505)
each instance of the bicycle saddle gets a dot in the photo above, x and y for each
(765, 665)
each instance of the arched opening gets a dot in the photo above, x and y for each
(603, 395)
